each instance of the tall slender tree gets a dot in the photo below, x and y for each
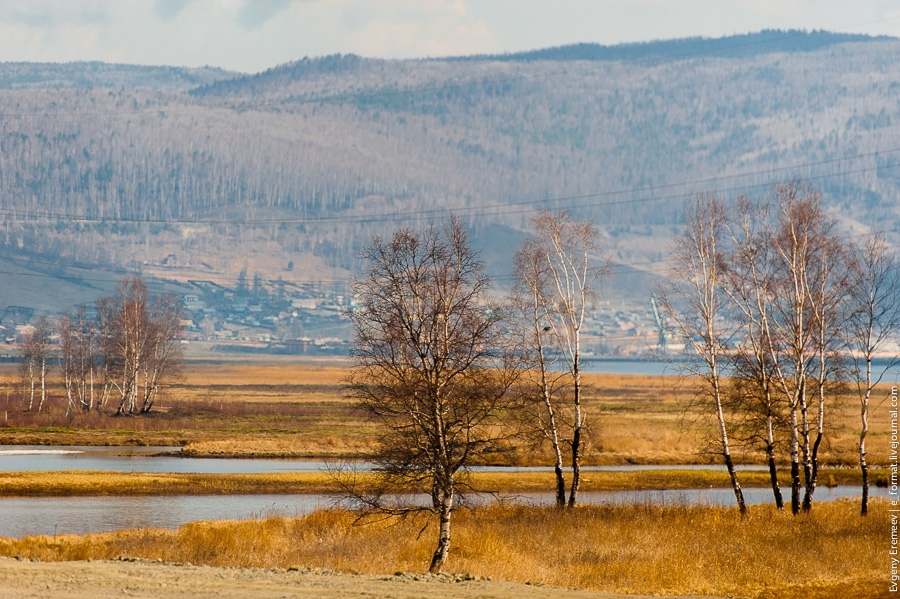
(696, 303)
(78, 358)
(560, 271)
(873, 325)
(749, 284)
(542, 383)
(36, 359)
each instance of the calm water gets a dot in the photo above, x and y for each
(625, 366)
(24, 516)
(22, 458)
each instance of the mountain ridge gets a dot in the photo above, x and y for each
(300, 165)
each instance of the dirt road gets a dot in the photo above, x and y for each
(152, 580)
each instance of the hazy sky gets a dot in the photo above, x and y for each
(252, 35)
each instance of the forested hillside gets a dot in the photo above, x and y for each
(288, 172)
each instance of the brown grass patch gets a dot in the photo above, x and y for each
(87, 483)
(830, 552)
(280, 408)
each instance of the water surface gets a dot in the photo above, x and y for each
(24, 458)
(23, 516)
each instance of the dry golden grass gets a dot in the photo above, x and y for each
(278, 408)
(80, 482)
(830, 552)
(270, 372)
(88, 483)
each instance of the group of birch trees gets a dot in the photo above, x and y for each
(117, 353)
(781, 311)
(442, 367)
(777, 309)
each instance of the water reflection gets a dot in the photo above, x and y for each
(58, 515)
(23, 458)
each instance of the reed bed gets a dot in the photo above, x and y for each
(88, 483)
(830, 552)
(279, 408)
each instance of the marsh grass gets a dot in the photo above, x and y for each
(87, 483)
(279, 408)
(830, 552)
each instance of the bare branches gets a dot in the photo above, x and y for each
(696, 304)
(35, 365)
(556, 273)
(427, 366)
(764, 294)
(873, 323)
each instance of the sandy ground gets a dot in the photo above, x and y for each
(145, 579)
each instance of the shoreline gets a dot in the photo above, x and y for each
(72, 483)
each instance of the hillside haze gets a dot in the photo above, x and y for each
(203, 173)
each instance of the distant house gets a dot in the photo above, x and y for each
(193, 302)
(306, 303)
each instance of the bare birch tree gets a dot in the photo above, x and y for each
(830, 310)
(749, 283)
(35, 363)
(696, 303)
(131, 340)
(565, 253)
(164, 354)
(542, 382)
(78, 357)
(873, 324)
(425, 365)
(804, 242)
(138, 343)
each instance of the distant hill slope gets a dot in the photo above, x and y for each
(768, 41)
(290, 171)
(25, 75)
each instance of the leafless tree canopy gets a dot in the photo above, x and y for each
(128, 348)
(771, 295)
(426, 363)
(141, 343)
(556, 275)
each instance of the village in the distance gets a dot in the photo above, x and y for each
(288, 318)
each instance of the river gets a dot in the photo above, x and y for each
(24, 516)
(23, 458)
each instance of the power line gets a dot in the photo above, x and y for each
(504, 208)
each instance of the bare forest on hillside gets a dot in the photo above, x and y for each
(124, 166)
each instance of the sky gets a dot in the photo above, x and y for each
(253, 35)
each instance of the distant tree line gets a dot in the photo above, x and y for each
(113, 357)
(313, 156)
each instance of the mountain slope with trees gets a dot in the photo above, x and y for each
(124, 166)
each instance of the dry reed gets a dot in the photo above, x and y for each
(279, 408)
(830, 552)
(88, 483)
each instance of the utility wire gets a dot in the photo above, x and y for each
(504, 208)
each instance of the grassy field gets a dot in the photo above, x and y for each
(830, 552)
(87, 483)
(282, 409)
(278, 408)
